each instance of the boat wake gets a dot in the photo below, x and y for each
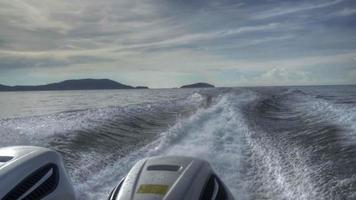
(265, 143)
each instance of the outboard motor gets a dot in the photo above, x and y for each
(28, 172)
(171, 178)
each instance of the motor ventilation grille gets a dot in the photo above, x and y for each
(39, 184)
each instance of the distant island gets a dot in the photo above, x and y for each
(86, 84)
(142, 87)
(198, 85)
(78, 84)
(4, 88)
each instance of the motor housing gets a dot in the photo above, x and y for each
(28, 172)
(171, 178)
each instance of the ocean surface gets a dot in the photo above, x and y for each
(265, 143)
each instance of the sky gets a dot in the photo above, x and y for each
(168, 43)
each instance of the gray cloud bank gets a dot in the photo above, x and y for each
(169, 43)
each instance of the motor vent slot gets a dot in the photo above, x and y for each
(163, 168)
(4, 159)
(37, 185)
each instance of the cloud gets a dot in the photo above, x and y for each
(352, 75)
(280, 11)
(205, 36)
(283, 76)
(345, 12)
(245, 43)
(28, 16)
(190, 40)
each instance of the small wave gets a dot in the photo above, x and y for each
(306, 145)
(340, 114)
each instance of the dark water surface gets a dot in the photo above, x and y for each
(265, 143)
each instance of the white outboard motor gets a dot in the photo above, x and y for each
(28, 172)
(171, 178)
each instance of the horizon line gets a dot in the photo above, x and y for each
(272, 85)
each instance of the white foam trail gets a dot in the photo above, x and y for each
(214, 134)
(221, 135)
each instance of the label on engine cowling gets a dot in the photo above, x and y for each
(153, 189)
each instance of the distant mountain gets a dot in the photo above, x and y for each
(79, 84)
(141, 87)
(4, 88)
(198, 85)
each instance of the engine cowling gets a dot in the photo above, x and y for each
(28, 172)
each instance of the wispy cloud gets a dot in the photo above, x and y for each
(23, 15)
(345, 12)
(189, 40)
(192, 38)
(255, 42)
(290, 9)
